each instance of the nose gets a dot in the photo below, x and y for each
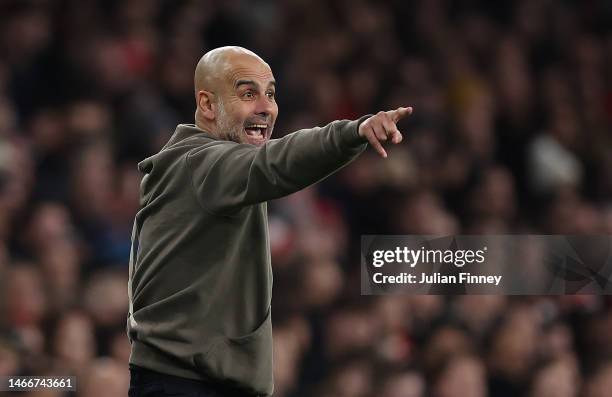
(265, 107)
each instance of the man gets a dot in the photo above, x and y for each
(200, 277)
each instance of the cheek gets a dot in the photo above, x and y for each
(230, 113)
(241, 110)
(246, 112)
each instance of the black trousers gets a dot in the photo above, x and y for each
(147, 383)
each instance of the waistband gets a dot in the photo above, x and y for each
(145, 375)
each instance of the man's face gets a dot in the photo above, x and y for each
(246, 106)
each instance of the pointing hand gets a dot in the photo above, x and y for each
(382, 127)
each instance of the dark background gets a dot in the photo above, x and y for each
(511, 133)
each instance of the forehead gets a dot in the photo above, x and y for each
(243, 66)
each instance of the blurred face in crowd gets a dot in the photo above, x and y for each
(104, 377)
(25, 300)
(409, 384)
(235, 91)
(74, 342)
(464, 377)
(444, 343)
(513, 347)
(558, 379)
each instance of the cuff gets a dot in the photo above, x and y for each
(352, 137)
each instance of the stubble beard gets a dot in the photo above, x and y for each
(229, 129)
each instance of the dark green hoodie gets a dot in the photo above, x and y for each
(200, 280)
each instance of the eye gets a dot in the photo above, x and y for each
(270, 94)
(248, 95)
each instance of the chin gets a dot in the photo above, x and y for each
(255, 141)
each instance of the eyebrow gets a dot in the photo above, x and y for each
(253, 83)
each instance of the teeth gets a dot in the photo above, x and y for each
(255, 130)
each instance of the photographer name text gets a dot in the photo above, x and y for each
(435, 278)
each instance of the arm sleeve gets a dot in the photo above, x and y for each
(227, 176)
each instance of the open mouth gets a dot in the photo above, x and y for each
(256, 132)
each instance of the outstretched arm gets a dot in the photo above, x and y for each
(227, 176)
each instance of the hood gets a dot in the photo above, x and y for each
(182, 132)
(180, 137)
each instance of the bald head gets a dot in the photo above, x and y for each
(216, 63)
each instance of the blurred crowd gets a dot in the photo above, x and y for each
(511, 134)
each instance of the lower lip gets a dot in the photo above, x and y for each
(255, 140)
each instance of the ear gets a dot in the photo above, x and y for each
(205, 104)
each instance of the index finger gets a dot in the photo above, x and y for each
(399, 113)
